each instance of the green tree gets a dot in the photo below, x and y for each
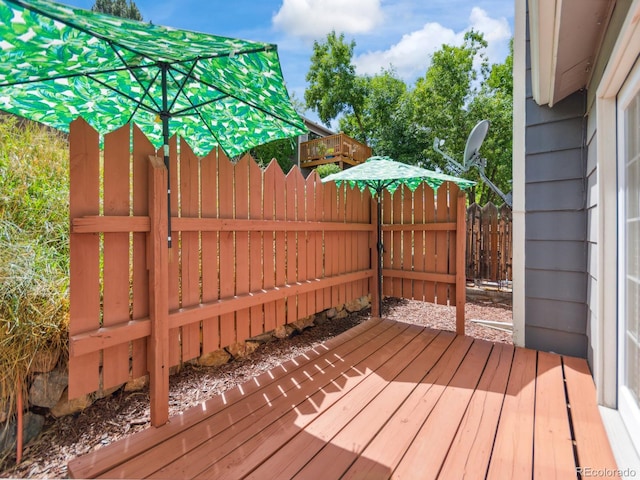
(118, 8)
(283, 151)
(495, 103)
(442, 96)
(334, 88)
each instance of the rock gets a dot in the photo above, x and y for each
(214, 359)
(31, 427)
(304, 323)
(68, 407)
(321, 318)
(46, 388)
(263, 338)
(331, 313)
(108, 392)
(242, 349)
(353, 306)
(284, 331)
(44, 361)
(341, 314)
(137, 384)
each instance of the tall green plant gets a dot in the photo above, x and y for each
(34, 252)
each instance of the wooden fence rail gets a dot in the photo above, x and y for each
(489, 243)
(252, 250)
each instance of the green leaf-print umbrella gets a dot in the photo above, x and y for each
(380, 173)
(58, 63)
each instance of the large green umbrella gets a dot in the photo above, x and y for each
(58, 63)
(380, 173)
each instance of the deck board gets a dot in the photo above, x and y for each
(383, 400)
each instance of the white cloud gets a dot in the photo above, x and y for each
(313, 19)
(411, 55)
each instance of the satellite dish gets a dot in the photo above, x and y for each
(474, 142)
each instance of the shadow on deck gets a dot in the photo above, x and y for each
(383, 400)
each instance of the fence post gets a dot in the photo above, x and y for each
(461, 243)
(376, 255)
(158, 349)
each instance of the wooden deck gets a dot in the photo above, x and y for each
(383, 400)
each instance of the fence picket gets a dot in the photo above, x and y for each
(227, 254)
(209, 209)
(430, 243)
(407, 241)
(418, 247)
(269, 252)
(115, 292)
(241, 170)
(255, 251)
(174, 253)
(142, 148)
(301, 245)
(84, 168)
(281, 241)
(387, 283)
(442, 244)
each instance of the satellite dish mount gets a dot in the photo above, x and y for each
(472, 158)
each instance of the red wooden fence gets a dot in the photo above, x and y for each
(489, 243)
(252, 250)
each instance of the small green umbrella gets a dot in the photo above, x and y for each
(380, 173)
(58, 63)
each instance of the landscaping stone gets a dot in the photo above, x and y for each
(341, 314)
(263, 338)
(108, 392)
(215, 358)
(31, 427)
(321, 318)
(284, 331)
(242, 349)
(68, 407)
(331, 313)
(46, 388)
(137, 384)
(304, 323)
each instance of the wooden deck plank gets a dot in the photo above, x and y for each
(345, 448)
(512, 455)
(238, 453)
(430, 446)
(99, 462)
(335, 439)
(593, 448)
(383, 400)
(391, 443)
(552, 446)
(470, 450)
(242, 419)
(237, 415)
(344, 424)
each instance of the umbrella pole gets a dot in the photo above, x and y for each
(165, 136)
(379, 246)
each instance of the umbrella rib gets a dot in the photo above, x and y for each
(133, 73)
(181, 85)
(138, 102)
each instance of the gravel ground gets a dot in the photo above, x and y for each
(122, 414)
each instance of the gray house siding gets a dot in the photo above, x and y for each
(556, 225)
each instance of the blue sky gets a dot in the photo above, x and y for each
(402, 33)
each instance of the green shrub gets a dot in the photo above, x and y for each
(34, 246)
(327, 169)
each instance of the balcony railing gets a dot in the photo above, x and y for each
(339, 148)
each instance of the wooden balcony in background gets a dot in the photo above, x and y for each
(382, 400)
(339, 148)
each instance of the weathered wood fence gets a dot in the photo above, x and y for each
(252, 250)
(489, 243)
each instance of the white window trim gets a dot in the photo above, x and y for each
(605, 343)
(518, 171)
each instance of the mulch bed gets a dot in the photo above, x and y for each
(124, 413)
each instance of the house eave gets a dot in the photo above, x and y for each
(565, 37)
